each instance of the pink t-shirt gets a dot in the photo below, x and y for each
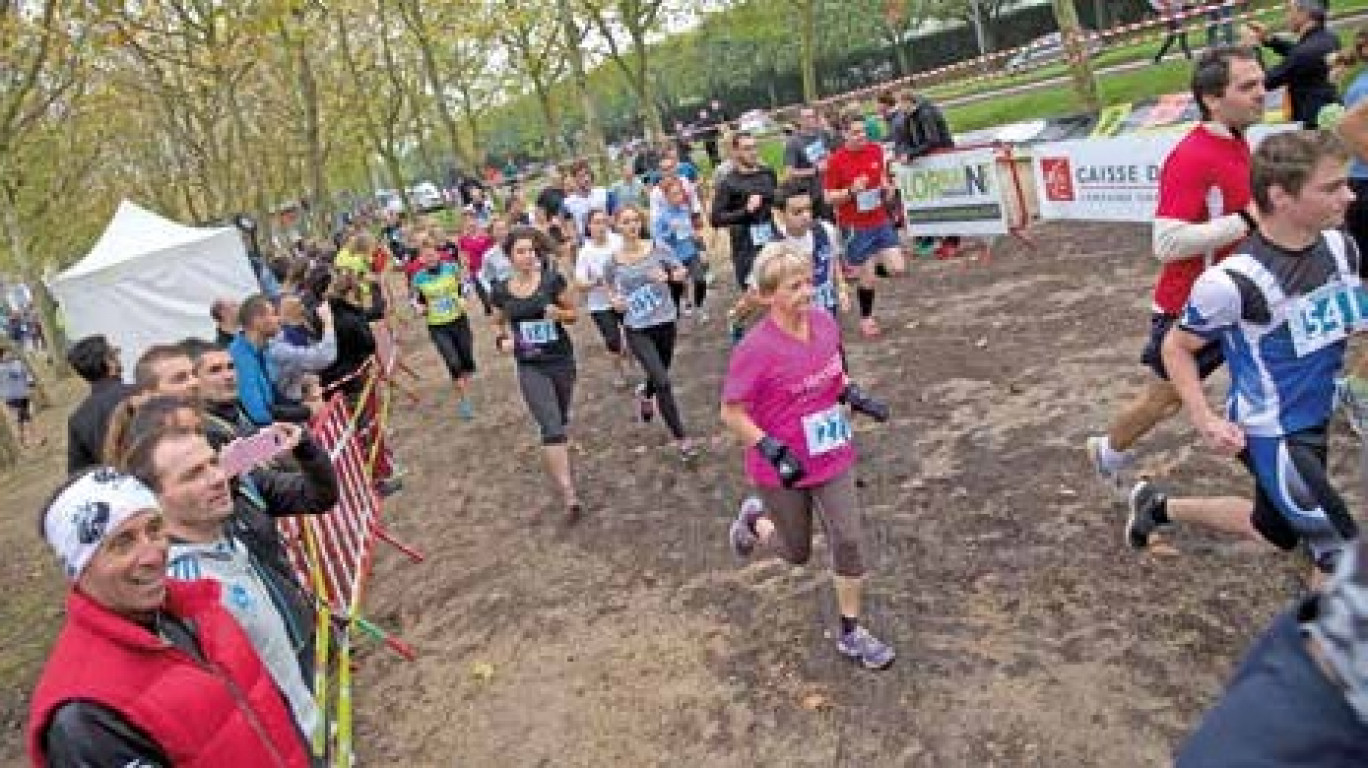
(791, 389)
(475, 247)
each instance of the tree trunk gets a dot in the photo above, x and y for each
(593, 132)
(549, 117)
(1076, 54)
(320, 202)
(807, 45)
(14, 236)
(655, 127)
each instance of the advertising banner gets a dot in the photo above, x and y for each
(1110, 179)
(953, 193)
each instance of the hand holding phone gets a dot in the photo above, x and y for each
(247, 453)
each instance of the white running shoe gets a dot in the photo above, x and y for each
(1112, 479)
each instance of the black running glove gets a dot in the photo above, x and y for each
(860, 402)
(783, 459)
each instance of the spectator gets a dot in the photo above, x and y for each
(97, 362)
(1169, 11)
(165, 369)
(1305, 69)
(183, 470)
(257, 374)
(297, 358)
(1300, 697)
(924, 131)
(709, 130)
(355, 342)
(225, 314)
(129, 634)
(16, 382)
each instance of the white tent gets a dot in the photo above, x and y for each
(149, 280)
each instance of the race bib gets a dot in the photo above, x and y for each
(815, 152)
(445, 305)
(643, 301)
(1326, 316)
(825, 431)
(868, 200)
(682, 229)
(761, 233)
(825, 296)
(537, 332)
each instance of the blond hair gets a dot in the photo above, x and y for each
(775, 262)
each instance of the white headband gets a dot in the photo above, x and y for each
(86, 511)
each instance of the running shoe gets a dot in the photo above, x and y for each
(869, 328)
(865, 648)
(1145, 503)
(742, 534)
(388, 486)
(465, 410)
(1111, 478)
(645, 405)
(735, 332)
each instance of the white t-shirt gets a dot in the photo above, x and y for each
(589, 269)
(580, 206)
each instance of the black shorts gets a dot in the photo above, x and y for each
(23, 413)
(456, 346)
(1209, 357)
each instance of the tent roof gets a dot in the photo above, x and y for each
(134, 232)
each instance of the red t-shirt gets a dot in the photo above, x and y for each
(475, 247)
(867, 211)
(1206, 176)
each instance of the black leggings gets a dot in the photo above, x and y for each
(456, 346)
(548, 390)
(654, 349)
(609, 324)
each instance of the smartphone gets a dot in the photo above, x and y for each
(246, 453)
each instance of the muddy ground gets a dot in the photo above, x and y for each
(1027, 634)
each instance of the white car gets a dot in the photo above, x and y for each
(1043, 50)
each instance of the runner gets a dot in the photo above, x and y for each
(805, 155)
(637, 277)
(673, 227)
(856, 183)
(473, 244)
(781, 398)
(583, 197)
(742, 204)
(534, 306)
(16, 384)
(496, 266)
(594, 256)
(1210, 163)
(437, 289)
(1281, 308)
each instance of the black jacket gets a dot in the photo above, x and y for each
(265, 494)
(355, 343)
(86, 426)
(1305, 73)
(923, 130)
(729, 206)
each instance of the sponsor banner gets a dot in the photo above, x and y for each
(1109, 179)
(953, 193)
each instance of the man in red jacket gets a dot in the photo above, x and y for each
(146, 672)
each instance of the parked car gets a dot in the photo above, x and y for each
(1046, 49)
(426, 196)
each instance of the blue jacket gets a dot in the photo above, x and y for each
(256, 391)
(1280, 711)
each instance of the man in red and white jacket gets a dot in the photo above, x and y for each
(1204, 212)
(146, 672)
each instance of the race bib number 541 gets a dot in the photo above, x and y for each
(1325, 316)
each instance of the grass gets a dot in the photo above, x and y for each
(1135, 49)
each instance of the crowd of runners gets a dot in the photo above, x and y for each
(181, 473)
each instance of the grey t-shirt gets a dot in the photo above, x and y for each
(648, 302)
(807, 150)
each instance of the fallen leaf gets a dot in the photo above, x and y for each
(482, 671)
(815, 701)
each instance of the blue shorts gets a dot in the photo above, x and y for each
(861, 245)
(1293, 498)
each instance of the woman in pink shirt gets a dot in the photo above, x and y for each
(783, 398)
(473, 244)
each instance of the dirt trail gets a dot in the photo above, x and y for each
(1027, 634)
